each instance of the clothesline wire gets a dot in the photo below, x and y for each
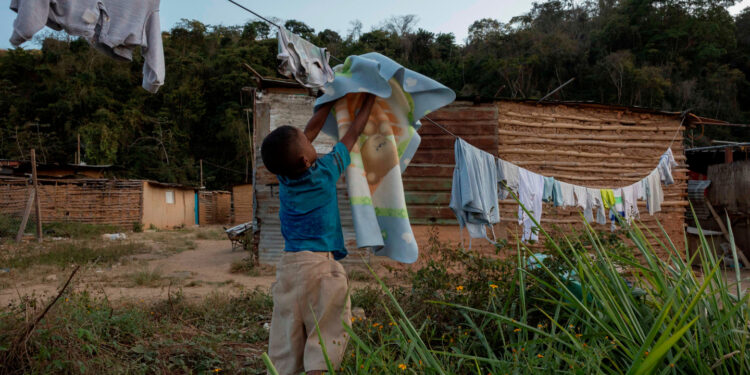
(271, 22)
(256, 14)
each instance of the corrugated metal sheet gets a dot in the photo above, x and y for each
(274, 109)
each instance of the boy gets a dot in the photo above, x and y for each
(310, 284)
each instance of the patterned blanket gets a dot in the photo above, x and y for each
(385, 148)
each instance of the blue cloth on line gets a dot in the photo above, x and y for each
(309, 210)
(474, 192)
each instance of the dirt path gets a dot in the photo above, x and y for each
(197, 273)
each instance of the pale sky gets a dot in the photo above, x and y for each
(434, 15)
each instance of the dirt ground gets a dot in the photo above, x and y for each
(201, 268)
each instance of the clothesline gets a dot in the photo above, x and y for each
(439, 126)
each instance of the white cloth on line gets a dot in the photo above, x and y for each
(666, 162)
(595, 198)
(630, 201)
(568, 195)
(583, 200)
(303, 61)
(530, 191)
(654, 192)
(508, 173)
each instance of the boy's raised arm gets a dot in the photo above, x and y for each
(317, 120)
(358, 125)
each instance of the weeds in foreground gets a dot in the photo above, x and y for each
(85, 334)
(580, 317)
(64, 253)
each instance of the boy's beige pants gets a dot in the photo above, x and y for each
(306, 283)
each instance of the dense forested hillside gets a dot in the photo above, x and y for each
(672, 54)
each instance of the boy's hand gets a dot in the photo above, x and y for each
(358, 125)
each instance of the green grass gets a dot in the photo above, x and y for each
(9, 227)
(498, 317)
(84, 334)
(147, 277)
(64, 253)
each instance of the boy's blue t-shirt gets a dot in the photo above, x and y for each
(309, 210)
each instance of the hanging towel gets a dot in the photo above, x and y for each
(507, 173)
(666, 162)
(568, 195)
(76, 17)
(557, 196)
(549, 186)
(474, 192)
(654, 192)
(630, 201)
(385, 148)
(595, 197)
(530, 191)
(641, 189)
(608, 198)
(302, 60)
(583, 201)
(131, 24)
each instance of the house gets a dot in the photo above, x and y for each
(125, 203)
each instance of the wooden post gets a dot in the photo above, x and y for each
(728, 154)
(740, 254)
(26, 214)
(78, 153)
(201, 164)
(36, 197)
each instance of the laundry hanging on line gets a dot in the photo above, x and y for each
(474, 191)
(303, 61)
(606, 203)
(111, 26)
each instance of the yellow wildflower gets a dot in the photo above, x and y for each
(517, 330)
(493, 286)
(460, 288)
(540, 356)
(402, 366)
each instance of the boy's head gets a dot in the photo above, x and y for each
(286, 151)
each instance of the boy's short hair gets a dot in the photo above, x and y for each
(280, 149)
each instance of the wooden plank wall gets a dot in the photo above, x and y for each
(214, 207)
(428, 179)
(596, 146)
(242, 203)
(117, 202)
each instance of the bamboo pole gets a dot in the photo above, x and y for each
(37, 202)
(564, 125)
(604, 137)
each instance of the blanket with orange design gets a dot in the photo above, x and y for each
(385, 148)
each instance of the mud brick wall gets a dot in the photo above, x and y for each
(596, 146)
(85, 201)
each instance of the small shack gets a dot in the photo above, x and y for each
(125, 203)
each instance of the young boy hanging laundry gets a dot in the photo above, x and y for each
(311, 285)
